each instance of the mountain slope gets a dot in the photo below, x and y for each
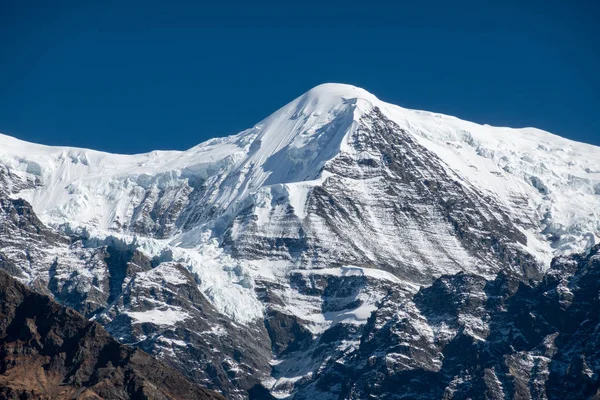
(155, 306)
(291, 233)
(468, 338)
(48, 351)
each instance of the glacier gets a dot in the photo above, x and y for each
(550, 183)
(335, 186)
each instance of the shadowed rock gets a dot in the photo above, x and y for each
(48, 351)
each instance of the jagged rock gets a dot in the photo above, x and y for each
(341, 248)
(48, 351)
(465, 337)
(163, 312)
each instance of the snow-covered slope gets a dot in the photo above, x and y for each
(559, 177)
(336, 182)
(537, 176)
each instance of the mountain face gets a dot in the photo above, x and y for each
(341, 248)
(51, 352)
(465, 337)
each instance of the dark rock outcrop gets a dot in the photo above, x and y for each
(48, 351)
(205, 345)
(333, 252)
(468, 338)
(111, 281)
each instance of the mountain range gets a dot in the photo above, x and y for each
(342, 248)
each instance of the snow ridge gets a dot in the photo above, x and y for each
(183, 205)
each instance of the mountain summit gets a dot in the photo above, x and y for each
(308, 233)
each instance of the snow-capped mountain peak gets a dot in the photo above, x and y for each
(279, 245)
(264, 184)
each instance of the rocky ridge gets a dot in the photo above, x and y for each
(305, 256)
(49, 351)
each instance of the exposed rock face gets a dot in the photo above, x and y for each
(156, 306)
(468, 338)
(48, 351)
(390, 202)
(49, 261)
(162, 312)
(341, 248)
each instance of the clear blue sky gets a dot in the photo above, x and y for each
(168, 75)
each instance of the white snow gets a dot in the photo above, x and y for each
(168, 316)
(173, 342)
(163, 273)
(549, 184)
(507, 162)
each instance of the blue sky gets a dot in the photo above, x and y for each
(168, 75)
